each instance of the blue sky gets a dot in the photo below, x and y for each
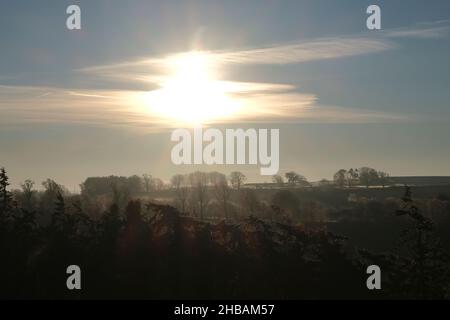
(381, 100)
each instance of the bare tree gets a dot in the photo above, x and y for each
(120, 195)
(351, 176)
(367, 176)
(200, 192)
(383, 177)
(250, 202)
(339, 177)
(294, 178)
(237, 179)
(158, 184)
(216, 178)
(179, 183)
(425, 268)
(147, 181)
(28, 194)
(285, 204)
(199, 181)
(278, 179)
(222, 193)
(134, 184)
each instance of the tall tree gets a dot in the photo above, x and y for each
(177, 180)
(5, 195)
(425, 273)
(383, 178)
(223, 192)
(250, 202)
(134, 184)
(237, 179)
(58, 217)
(120, 195)
(179, 183)
(199, 182)
(367, 176)
(201, 196)
(147, 182)
(351, 176)
(294, 178)
(277, 179)
(285, 203)
(28, 194)
(340, 177)
(216, 178)
(158, 184)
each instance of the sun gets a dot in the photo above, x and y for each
(191, 92)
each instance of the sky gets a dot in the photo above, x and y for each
(80, 103)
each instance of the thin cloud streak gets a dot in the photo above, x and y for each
(296, 52)
(260, 102)
(286, 53)
(420, 33)
(104, 108)
(323, 49)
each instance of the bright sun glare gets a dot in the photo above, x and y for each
(191, 92)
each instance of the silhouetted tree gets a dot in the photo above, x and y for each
(59, 214)
(95, 186)
(383, 178)
(120, 195)
(158, 184)
(351, 176)
(179, 183)
(425, 272)
(216, 178)
(250, 202)
(167, 255)
(325, 183)
(223, 192)
(134, 184)
(278, 179)
(367, 176)
(339, 177)
(5, 195)
(294, 178)
(199, 181)
(285, 202)
(28, 195)
(237, 179)
(147, 182)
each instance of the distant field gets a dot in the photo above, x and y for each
(421, 181)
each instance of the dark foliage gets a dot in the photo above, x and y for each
(159, 253)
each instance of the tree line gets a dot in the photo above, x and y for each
(363, 176)
(149, 250)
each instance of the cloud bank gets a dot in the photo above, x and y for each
(260, 102)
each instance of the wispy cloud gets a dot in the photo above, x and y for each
(259, 102)
(330, 48)
(434, 31)
(321, 49)
(148, 69)
(286, 53)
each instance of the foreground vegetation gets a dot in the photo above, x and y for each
(213, 240)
